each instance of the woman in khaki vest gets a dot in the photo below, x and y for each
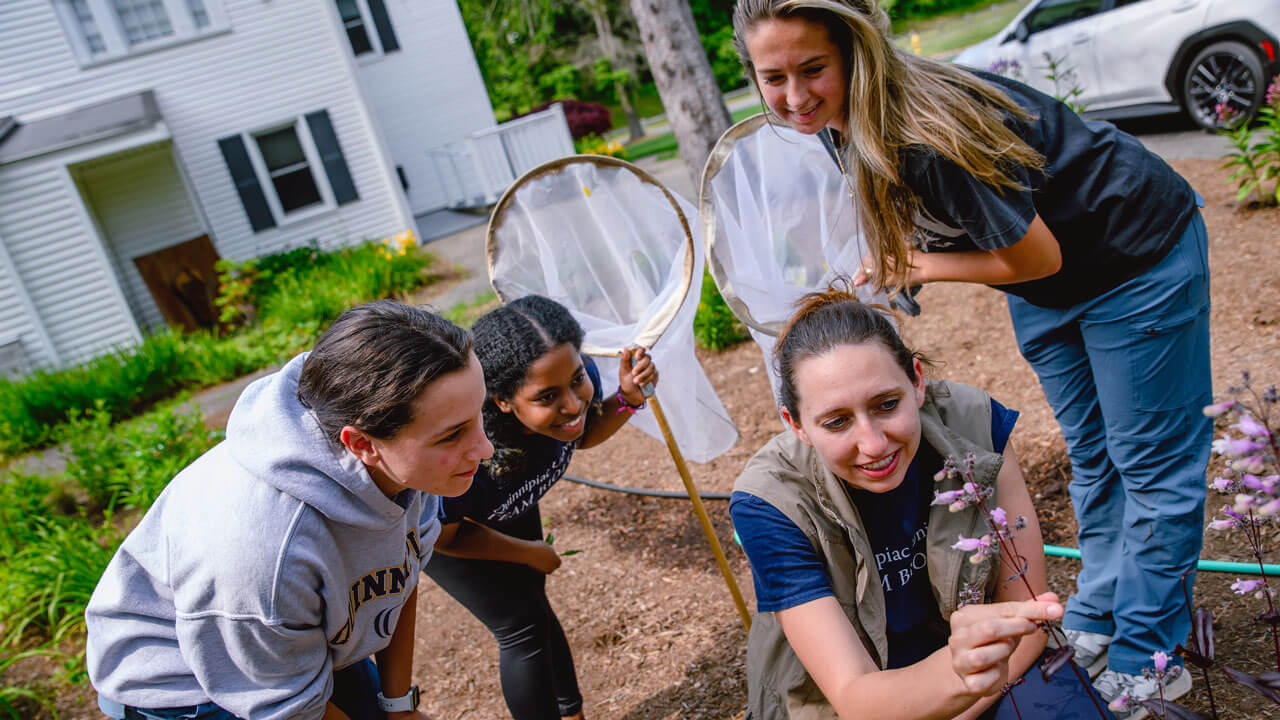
(866, 610)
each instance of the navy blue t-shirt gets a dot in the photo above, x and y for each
(1115, 208)
(498, 500)
(787, 571)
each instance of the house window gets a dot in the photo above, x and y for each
(86, 26)
(287, 166)
(357, 30)
(199, 15)
(368, 26)
(283, 173)
(143, 20)
(101, 30)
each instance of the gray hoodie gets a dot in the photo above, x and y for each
(267, 564)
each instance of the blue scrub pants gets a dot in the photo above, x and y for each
(355, 692)
(1127, 374)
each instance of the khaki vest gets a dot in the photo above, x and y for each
(789, 475)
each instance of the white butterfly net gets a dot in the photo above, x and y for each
(605, 240)
(779, 222)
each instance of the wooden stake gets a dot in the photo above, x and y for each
(707, 528)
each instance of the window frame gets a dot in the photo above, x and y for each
(314, 165)
(370, 31)
(115, 41)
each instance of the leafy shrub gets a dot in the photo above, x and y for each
(595, 145)
(130, 463)
(1256, 162)
(714, 326)
(584, 118)
(293, 295)
(121, 382)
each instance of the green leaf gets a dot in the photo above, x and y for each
(567, 553)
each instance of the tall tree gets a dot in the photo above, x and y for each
(690, 95)
(621, 72)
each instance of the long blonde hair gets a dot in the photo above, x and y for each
(897, 100)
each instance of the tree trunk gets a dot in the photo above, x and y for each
(634, 126)
(694, 105)
(608, 43)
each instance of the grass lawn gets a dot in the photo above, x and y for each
(940, 36)
(666, 142)
(945, 35)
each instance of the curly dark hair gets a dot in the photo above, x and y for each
(370, 366)
(507, 341)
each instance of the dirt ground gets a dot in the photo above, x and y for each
(652, 627)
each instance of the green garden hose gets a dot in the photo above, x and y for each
(1205, 565)
(1050, 550)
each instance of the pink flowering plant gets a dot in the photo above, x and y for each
(998, 542)
(1251, 483)
(1255, 154)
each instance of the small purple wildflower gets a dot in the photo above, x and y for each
(1224, 484)
(1218, 409)
(1273, 91)
(1236, 447)
(1161, 660)
(1246, 587)
(1251, 427)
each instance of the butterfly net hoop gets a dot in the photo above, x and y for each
(613, 245)
(778, 221)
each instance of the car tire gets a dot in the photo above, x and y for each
(1225, 72)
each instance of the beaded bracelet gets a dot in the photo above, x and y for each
(624, 406)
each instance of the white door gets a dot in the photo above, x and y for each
(1135, 42)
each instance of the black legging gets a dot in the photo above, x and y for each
(534, 663)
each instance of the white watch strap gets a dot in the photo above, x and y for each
(404, 703)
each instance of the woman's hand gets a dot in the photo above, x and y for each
(635, 370)
(984, 636)
(542, 557)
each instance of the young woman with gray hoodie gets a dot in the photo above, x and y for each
(270, 570)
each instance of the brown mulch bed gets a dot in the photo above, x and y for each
(653, 630)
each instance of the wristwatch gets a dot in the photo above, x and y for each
(404, 703)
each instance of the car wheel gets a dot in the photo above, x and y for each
(1225, 77)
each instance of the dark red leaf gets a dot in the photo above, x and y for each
(1055, 660)
(1170, 710)
(1194, 657)
(1202, 633)
(1256, 684)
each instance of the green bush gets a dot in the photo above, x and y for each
(122, 382)
(130, 463)
(293, 295)
(714, 326)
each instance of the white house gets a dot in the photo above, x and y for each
(140, 140)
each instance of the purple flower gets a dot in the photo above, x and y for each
(1236, 447)
(1252, 464)
(1222, 524)
(1273, 91)
(1218, 408)
(1246, 587)
(1270, 509)
(971, 487)
(1223, 485)
(946, 498)
(999, 517)
(1161, 660)
(1252, 428)
(968, 544)
(1244, 501)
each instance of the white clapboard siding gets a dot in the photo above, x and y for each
(426, 94)
(18, 320)
(141, 206)
(276, 62)
(74, 292)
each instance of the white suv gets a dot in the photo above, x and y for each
(1143, 57)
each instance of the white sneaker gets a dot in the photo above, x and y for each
(1091, 650)
(1112, 685)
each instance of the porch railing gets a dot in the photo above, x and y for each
(478, 169)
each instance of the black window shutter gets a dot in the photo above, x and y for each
(335, 165)
(382, 21)
(246, 181)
